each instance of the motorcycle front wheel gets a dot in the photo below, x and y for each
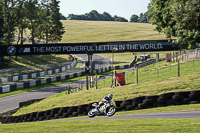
(91, 113)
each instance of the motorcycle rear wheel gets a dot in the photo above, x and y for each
(111, 112)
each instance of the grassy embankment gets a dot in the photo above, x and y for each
(101, 31)
(150, 84)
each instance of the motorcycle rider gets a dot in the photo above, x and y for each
(106, 100)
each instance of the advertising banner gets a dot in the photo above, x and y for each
(86, 48)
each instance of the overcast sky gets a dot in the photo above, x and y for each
(123, 8)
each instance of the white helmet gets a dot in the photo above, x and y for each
(110, 96)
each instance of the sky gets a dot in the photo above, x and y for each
(123, 8)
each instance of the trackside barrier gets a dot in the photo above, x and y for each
(26, 103)
(142, 102)
(37, 74)
(28, 84)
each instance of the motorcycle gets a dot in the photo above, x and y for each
(108, 109)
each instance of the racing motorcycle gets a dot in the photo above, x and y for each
(110, 107)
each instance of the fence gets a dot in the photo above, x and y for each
(149, 70)
(181, 63)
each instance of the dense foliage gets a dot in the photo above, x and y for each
(95, 16)
(139, 19)
(1, 23)
(41, 17)
(177, 18)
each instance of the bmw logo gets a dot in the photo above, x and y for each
(11, 50)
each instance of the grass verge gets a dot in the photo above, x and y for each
(95, 126)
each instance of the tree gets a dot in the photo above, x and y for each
(21, 20)
(31, 12)
(62, 17)
(44, 20)
(2, 23)
(187, 17)
(10, 20)
(57, 29)
(107, 17)
(94, 15)
(120, 19)
(159, 14)
(1, 29)
(134, 18)
(177, 18)
(143, 18)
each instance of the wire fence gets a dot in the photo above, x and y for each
(173, 65)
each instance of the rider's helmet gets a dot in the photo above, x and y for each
(110, 96)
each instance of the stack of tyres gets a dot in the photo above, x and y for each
(165, 99)
(118, 105)
(125, 103)
(41, 115)
(148, 102)
(89, 107)
(54, 112)
(48, 114)
(33, 116)
(194, 97)
(72, 110)
(135, 102)
(82, 110)
(179, 96)
(62, 111)
(29, 118)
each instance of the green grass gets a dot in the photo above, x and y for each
(101, 31)
(36, 60)
(106, 31)
(96, 126)
(150, 84)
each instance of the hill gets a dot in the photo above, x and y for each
(105, 31)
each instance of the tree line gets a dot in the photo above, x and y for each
(40, 17)
(95, 16)
(178, 19)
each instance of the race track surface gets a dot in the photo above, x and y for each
(183, 114)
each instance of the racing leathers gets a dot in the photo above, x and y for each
(106, 100)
